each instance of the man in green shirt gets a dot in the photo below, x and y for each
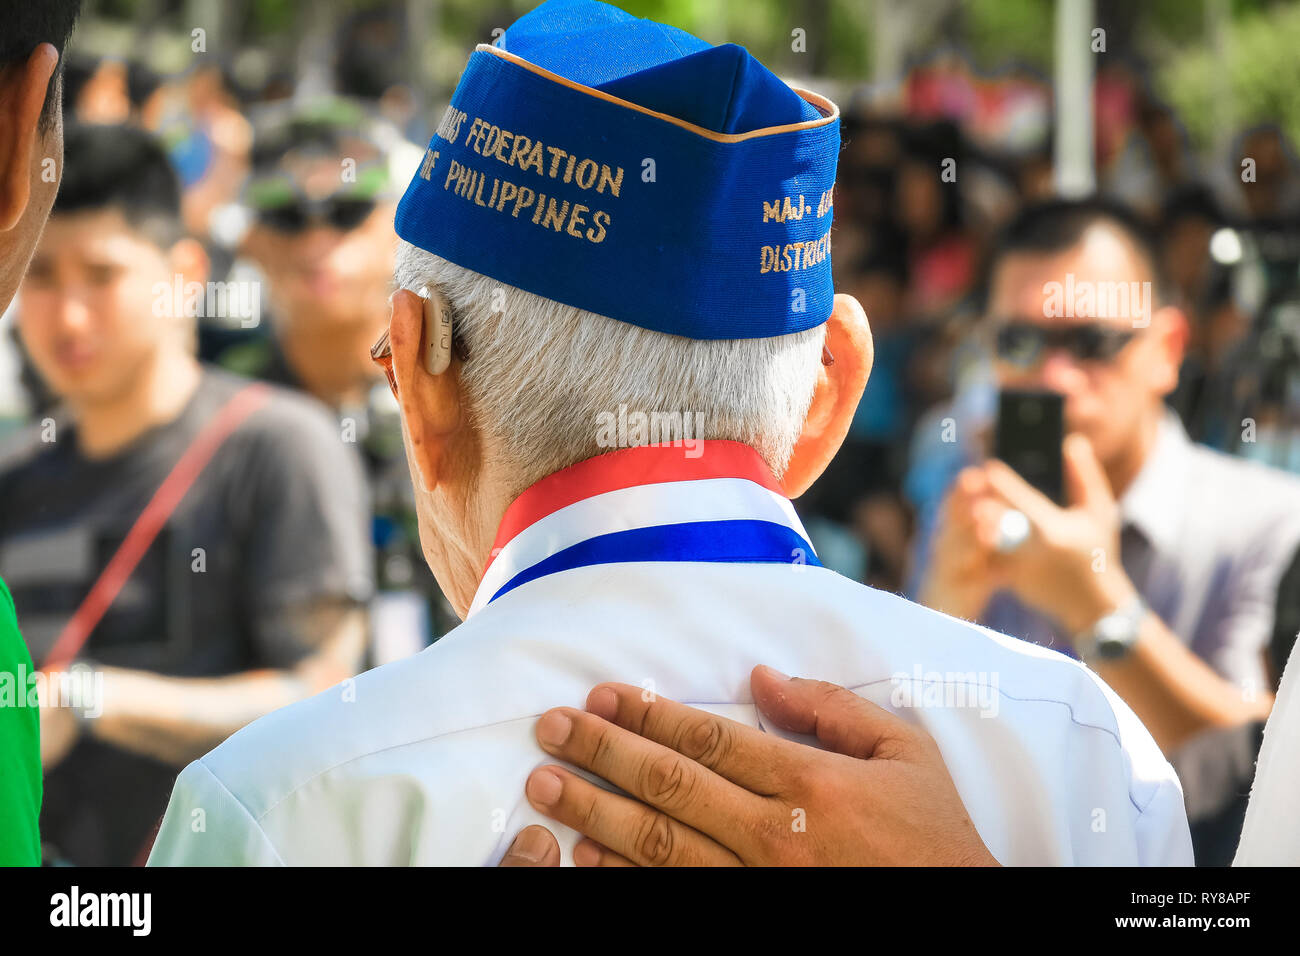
(31, 151)
(20, 747)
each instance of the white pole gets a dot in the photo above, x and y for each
(1218, 18)
(1074, 175)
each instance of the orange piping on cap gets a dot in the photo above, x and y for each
(824, 106)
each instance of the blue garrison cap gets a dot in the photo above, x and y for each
(627, 168)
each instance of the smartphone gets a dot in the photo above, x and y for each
(1028, 437)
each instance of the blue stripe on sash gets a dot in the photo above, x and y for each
(739, 541)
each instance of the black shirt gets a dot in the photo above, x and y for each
(377, 428)
(276, 520)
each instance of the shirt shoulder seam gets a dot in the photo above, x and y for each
(694, 703)
(1113, 734)
(255, 821)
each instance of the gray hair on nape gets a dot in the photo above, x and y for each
(541, 376)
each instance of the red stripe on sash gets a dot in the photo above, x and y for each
(626, 468)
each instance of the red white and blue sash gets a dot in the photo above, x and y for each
(650, 503)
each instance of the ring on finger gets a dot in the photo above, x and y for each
(1013, 531)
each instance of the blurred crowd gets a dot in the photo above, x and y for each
(923, 190)
(284, 207)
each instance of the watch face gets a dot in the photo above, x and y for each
(1111, 649)
(1116, 634)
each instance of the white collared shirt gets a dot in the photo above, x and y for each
(1270, 835)
(424, 760)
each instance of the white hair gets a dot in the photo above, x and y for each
(540, 375)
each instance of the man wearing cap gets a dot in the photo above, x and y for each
(618, 355)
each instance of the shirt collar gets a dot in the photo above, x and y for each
(631, 488)
(1153, 503)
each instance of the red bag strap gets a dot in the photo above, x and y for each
(151, 521)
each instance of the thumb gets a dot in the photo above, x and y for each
(1086, 482)
(534, 846)
(842, 721)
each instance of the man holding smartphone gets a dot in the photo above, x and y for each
(1160, 564)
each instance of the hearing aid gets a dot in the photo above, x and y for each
(437, 332)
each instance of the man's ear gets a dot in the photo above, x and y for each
(22, 96)
(431, 404)
(839, 386)
(1171, 327)
(189, 260)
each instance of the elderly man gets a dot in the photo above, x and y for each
(616, 223)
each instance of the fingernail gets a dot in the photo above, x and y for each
(531, 845)
(584, 854)
(603, 702)
(554, 728)
(773, 673)
(543, 787)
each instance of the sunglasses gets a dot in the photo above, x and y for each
(343, 213)
(1026, 344)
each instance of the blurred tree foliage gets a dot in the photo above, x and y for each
(1260, 74)
(840, 39)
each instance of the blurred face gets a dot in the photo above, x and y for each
(1272, 169)
(920, 205)
(87, 306)
(1186, 252)
(1112, 374)
(1224, 328)
(326, 250)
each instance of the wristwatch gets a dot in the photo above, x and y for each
(1113, 636)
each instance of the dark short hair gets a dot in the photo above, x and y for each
(123, 168)
(142, 81)
(1057, 225)
(25, 25)
(1194, 201)
(78, 70)
(325, 127)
